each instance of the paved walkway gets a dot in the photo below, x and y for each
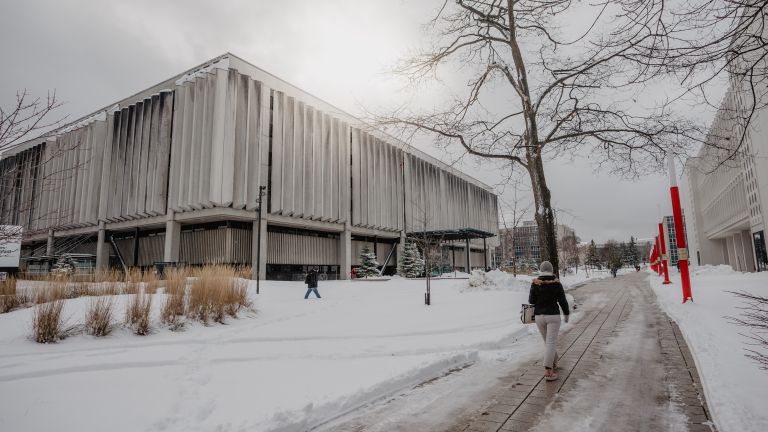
(624, 367)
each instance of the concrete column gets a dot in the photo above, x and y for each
(135, 260)
(49, 248)
(259, 237)
(102, 249)
(749, 251)
(400, 248)
(172, 239)
(468, 268)
(733, 257)
(345, 252)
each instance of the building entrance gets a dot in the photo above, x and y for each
(761, 257)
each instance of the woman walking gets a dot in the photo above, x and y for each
(546, 294)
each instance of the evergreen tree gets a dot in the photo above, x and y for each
(624, 257)
(411, 263)
(634, 254)
(593, 257)
(368, 264)
(65, 265)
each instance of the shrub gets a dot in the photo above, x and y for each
(201, 293)
(51, 291)
(137, 313)
(8, 299)
(47, 323)
(175, 306)
(215, 293)
(75, 290)
(98, 317)
(236, 297)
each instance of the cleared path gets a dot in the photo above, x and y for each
(624, 366)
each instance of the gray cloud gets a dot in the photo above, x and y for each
(96, 52)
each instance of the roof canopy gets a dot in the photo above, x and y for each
(452, 234)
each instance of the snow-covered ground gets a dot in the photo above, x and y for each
(736, 388)
(290, 365)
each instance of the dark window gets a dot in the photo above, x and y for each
(760, 251)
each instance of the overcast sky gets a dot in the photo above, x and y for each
(94, 53)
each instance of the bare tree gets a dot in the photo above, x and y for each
(518, 214)
(568, 247)
(430, 245)
(706, 40)
(754, 316)
(563, 95)
(25, 118)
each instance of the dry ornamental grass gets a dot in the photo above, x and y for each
(47, 323)
(174, 307)
(8, 299)
(216, 293)
(99, 316)
(137, 313)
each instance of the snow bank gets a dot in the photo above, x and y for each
(292, 364)
(736, 388)
(497, 279)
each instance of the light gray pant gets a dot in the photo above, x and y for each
(549, 326)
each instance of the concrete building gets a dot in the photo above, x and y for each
(727, 188)
(175, 173)
(522, 242)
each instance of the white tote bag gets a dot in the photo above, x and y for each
(526, 314)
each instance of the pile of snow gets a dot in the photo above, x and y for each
(497, 280)
(455, 274)
(736, 388)
(293, 364)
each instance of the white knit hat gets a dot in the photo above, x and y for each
(546, 268)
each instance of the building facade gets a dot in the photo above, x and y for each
(522, 243)
(670, 238)
(181, 172)
(727, 188)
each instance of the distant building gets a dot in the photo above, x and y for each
(670, 238)
(522, 242)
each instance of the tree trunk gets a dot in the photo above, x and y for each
(544, 215)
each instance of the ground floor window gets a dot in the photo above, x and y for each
(760, 251)
(289, 272)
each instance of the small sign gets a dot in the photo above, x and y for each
(664, 257)
(682, 254)
(10, 245)
(3, 276)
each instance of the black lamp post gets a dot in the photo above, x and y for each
(258, 242)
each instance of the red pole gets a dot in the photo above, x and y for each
(659, 269)
(682, 250)
(664, 260)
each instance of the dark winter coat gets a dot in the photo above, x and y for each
(311, 279)
(546, 294)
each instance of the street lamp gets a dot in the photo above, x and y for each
(258, 242)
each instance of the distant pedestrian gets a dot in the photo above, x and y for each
(311, 281)
(545, 296)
